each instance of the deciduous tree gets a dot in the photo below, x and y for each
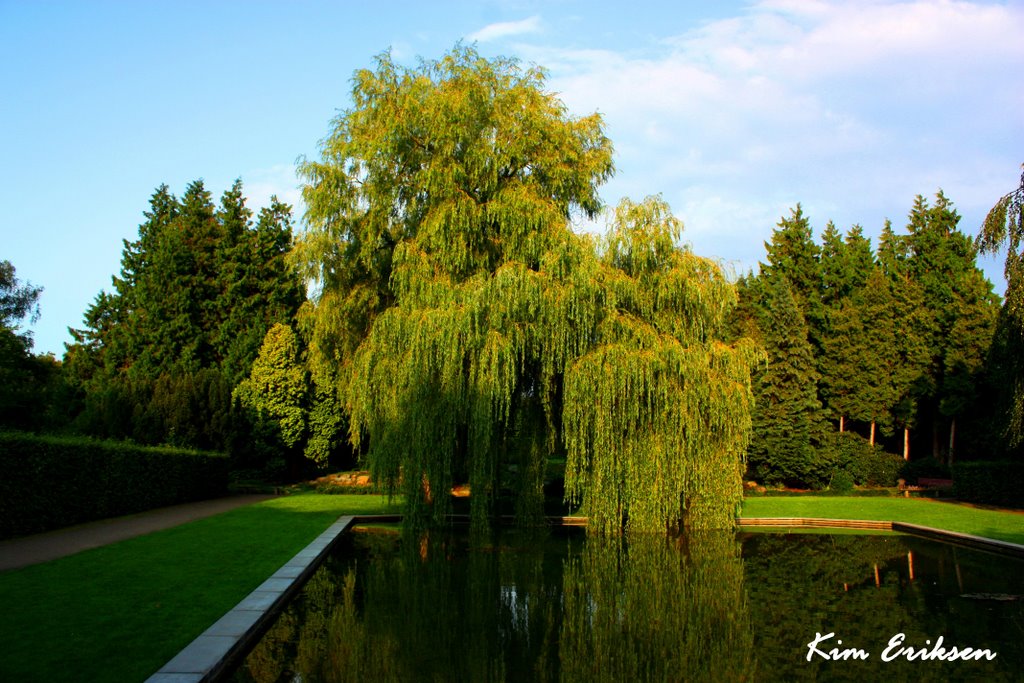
(472, 331)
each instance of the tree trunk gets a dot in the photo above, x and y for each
(952, 438)
(906, 444)
(842, 424)
(872, 433)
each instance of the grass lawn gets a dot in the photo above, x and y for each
(118, 613)
(1005, 526)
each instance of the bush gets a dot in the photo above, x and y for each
(996, 483)
(842, 482)
(929, 468)
(47, 482)
(867, 465)
(807, 467)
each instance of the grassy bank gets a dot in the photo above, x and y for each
(118, 613)
(1005, 526)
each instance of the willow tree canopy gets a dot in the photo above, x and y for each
(473, 330)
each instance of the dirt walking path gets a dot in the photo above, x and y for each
(28, 550)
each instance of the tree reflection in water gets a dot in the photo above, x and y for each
(522, 607)
(536, 607)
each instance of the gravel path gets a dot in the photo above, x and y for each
(28, 550)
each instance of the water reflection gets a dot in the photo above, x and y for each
(713, 606)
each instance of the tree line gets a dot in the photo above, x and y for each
(896, 343)
(172, 353)
(440, 319)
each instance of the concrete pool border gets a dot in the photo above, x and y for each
(213, 651)
(955, 537)
(216, 650)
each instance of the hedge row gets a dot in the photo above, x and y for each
(996, 483)
(47, 482)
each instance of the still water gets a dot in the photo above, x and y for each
(558, 606)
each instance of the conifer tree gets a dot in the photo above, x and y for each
(792, 254)
(197, 292)
(860, 356)
(961, 310)
(787, 424)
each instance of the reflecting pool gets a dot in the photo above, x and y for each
(559, 606)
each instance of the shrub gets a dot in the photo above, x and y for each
(997, 483)
(842, 482)
(925, 467)
(867, 465)
(48, 482)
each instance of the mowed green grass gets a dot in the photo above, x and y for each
(118, 613)
(1002, 525)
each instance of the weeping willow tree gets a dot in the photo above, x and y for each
(472, 329)
(1004, 227)
(657, 410)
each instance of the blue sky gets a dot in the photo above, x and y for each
(733, 111)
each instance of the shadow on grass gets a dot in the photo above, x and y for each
(119, 612)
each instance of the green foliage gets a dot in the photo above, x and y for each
(276, 387)
(860, 354)
(997, 483)
(842, 482)
(1004, 227)
(959, 310)
(793, 255)
(159, 356)
(658, 410)
(48, 482)
(900, 342)
(929, 468)
(469, 329)
(16, 300)
(25, 380)
(787, 415)
(865, 464)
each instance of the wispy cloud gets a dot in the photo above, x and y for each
(263, 183)
(504, 29)
(849, 107)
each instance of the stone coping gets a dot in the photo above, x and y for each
(214, 651)
(979, 542)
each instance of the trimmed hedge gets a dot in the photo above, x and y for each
(996, 483)
(47, 482)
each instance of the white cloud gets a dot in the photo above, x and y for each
(849, 107)
(280, 180)
(504, 29)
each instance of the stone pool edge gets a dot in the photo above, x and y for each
(215, 650)
(979, 542)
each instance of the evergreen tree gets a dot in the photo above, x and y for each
(196, 294)
(793, 255)
(845, 264)
(961, 310)
(860, 357)
(787, 417)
